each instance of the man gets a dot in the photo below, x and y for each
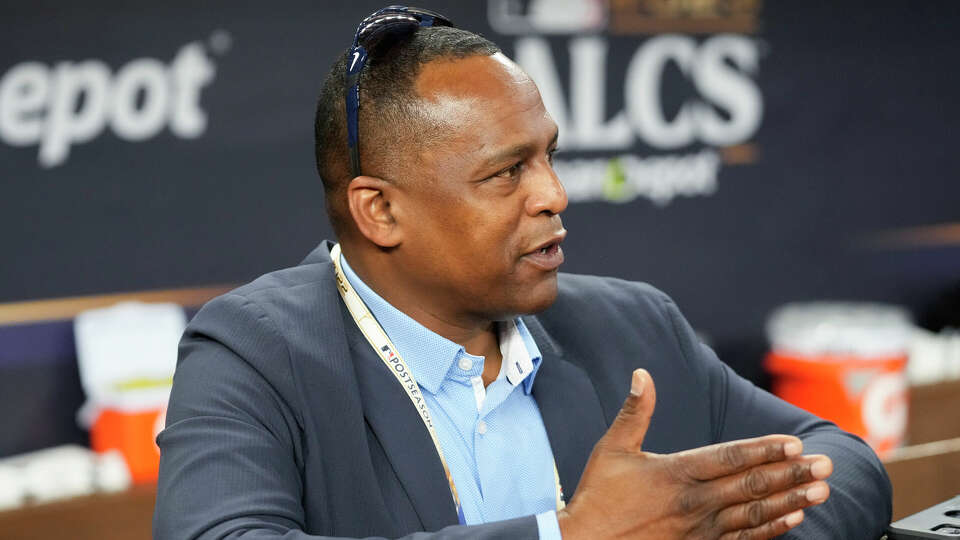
(397, 382)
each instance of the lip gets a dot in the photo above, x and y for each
(548, 256)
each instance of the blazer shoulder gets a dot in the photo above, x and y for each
(289, 312)
(286, 281)
(278, 295)
(293, 291)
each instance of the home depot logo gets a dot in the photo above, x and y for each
(57, 107)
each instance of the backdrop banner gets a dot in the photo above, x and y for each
(737, 154)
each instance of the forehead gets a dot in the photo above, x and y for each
(483, 100)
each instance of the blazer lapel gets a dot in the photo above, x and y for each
(402, 434)
(569, 406)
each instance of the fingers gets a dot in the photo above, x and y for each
(755, 513)
(732, 457)
(763, 480)
(767, 530)
(630, 426)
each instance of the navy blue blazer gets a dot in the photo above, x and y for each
(283, 423)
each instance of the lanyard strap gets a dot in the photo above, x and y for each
(387, 352)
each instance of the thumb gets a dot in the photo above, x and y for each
(630, 426)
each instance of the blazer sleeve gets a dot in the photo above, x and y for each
(860, 493)
(230, 454)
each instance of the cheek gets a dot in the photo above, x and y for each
(477, 254)
(477, 236)
(493, 239)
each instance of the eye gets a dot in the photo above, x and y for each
(510, 172)
(550, 154)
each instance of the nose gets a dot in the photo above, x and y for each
(547, 195)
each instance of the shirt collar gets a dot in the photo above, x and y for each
(521, 357)
(430, 355)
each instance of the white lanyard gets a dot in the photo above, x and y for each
(378, 339)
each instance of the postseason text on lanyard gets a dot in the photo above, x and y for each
(378, 339)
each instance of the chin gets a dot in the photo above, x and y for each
(540, 296)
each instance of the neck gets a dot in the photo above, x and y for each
(477, 335)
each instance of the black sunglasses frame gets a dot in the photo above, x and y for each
(391, 20)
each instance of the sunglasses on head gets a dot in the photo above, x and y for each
(391, 21)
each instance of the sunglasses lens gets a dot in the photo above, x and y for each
(388, 24)
(393, 23)
(437, 19)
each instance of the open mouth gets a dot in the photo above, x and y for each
(548, 257)
(549, 249)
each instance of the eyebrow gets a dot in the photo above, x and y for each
(516, 151)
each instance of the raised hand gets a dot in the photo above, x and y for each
(748, 489)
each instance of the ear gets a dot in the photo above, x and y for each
(369, 199)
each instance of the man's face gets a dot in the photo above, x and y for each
(480, 212)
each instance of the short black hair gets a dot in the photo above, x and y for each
(388, 96)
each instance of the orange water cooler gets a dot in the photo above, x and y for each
(133, 434)
(127, 354)
(846, 363)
